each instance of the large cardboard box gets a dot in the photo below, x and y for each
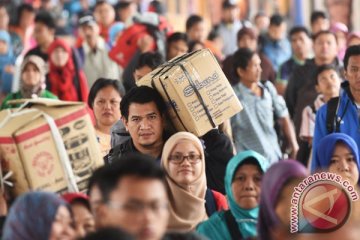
(50, 146)
(198, 95)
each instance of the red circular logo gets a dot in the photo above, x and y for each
(44, 164)
(325, 206)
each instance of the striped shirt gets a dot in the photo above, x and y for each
(253, 127)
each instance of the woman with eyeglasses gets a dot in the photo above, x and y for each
(191, 202)
(104, 99)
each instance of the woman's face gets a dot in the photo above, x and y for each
(31, 75)
(59, 57)
(185, 171)
(283, 205)
(246, 186)
(343, 163)
(107, 106)
(62, 226)
(84, 220)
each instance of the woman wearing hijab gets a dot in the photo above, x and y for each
(32, 82)
(7, 60)
(338, 153)
(277, 187)
(242, 186)
(184, 163)
(39, 216)
(65, 80)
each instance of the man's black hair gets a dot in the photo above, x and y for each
(24, 7)
(177, 36)
(192, 44)
(150, 59)
(101, 83)
(242, 58)
(141, 95)
(122, 5)
(298, 29)
(109, 234)
(322, 32)
(315, 15)
(101, 2)
(45, 18)
(158, 7)
(351, 51)
(323, 68)
(193, 20)
(106, 178)
(214, 33)
(276, 20)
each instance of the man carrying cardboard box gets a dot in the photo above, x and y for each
(143, 114)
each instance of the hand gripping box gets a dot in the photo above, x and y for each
(50, 146)
(198, 95)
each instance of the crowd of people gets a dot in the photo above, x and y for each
(300, 91)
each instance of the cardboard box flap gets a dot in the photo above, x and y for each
(17, 120)
(44, 102)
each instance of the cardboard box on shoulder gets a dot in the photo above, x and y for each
(50, 146)
(198, 95)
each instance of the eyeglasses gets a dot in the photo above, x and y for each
(139, 207)
(179, 158)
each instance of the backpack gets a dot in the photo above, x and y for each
(126, 46)
(332, 122)
(210, 203)
(232, 226)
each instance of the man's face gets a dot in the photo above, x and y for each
(26, 18)
(139, 206)
(246, 41)
(352, 73)
(325, 47)
(300, 44)
(140, 72)
(145, 125)
(4, 18)
(230, 14)
(43, 34)
(277, 32)
(90, 32)
(104, 14)
(176, 49)
(252, 73)
(321, 24)
(197, 32)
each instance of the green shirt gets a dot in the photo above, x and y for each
(17, 95)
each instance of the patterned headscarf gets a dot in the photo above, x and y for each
(31, 216)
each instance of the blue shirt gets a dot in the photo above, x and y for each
(349, 124)
(277, 51)
(253, 127)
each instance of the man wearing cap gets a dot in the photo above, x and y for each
(230, 25)
(94, 52)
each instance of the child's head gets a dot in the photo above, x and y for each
(328, 81)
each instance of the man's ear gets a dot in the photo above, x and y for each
(239, 72)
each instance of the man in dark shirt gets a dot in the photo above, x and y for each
(44, 34)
